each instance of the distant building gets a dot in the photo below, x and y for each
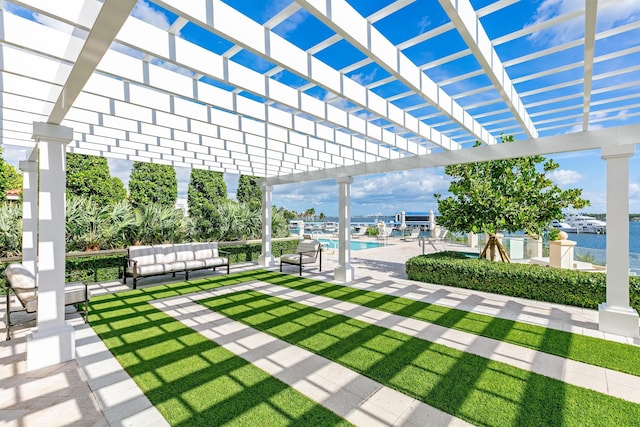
(14, 195)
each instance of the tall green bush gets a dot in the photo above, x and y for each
(89, 176)
(152, 183)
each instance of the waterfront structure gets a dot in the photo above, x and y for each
(227, 88)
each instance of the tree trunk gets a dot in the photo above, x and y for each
(492, 244)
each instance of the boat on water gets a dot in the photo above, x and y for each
(586, 224)
(563, 226)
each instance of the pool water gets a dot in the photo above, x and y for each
(355, 246)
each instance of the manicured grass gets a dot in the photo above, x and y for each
(594, 351)
(476, 389)
(191, 380)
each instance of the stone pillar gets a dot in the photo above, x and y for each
(561, 252)
(472, 240)
(29, 215)
(266, 258)
(616, 315)
(344, 273)
(53, 340)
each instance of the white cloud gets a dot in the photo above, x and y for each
(364, 79)
(148, 14)
(610, 14)
(563, 177)
(424, 23)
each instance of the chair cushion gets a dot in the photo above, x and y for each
(214, 249)
(202, 251)
(144, 255)
(19, 277)
(28, 298)
(308, 246)
(214, 262)
(146, 270)
(183, 252)
(75, 293)
(295, 259)
(165, 254)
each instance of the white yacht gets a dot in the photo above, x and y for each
(586, 224)
(563, 226)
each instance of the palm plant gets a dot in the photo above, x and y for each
(155, 224)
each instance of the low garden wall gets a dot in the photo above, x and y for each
(570, 287)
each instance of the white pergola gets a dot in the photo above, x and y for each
(308, 90)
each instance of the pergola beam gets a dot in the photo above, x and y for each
(107, 24)
(540, 146)
(468, 25)
(346, 21)
(589, 48)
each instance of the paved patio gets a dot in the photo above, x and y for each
(93, 390)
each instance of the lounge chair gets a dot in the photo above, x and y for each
(415, 232)
(437, 239)
(359, 232)
(306, 253)
(22, 283)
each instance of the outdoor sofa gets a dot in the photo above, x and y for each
(22, 283)
(144, 261)
(306, 253)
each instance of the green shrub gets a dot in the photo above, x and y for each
(570, 287)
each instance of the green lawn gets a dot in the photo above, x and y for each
(594, 351)
(471, 387)
(193, 381)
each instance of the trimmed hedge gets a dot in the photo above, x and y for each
(570, 287)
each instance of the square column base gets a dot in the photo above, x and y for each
(266, 260)
(619, 320)
(50, 347)
(344, 274)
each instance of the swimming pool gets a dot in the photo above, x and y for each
(355, 246)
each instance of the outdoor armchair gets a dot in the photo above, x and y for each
(307, 252)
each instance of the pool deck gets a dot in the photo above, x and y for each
(94, 390)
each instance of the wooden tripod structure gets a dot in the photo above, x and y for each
(492, 244)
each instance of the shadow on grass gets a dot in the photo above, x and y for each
(594, 351)
(191, 380)
(465, 385)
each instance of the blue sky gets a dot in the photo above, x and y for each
(413, 190)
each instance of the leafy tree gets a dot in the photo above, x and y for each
(12, 176)
(248, 191)
(3, 180)
(152, 183)
(207, 190)
(511, 194)
(89, 176)
(10, 229)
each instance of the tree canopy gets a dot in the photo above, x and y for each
(3, 179)
(152, 183)
(12, 176)
(512, 194)
(248, 191)
(89, 176)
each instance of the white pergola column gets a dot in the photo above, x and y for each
(266, 258)
(616, 316)
(53, 340)
(345, 272)
(29, 214)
